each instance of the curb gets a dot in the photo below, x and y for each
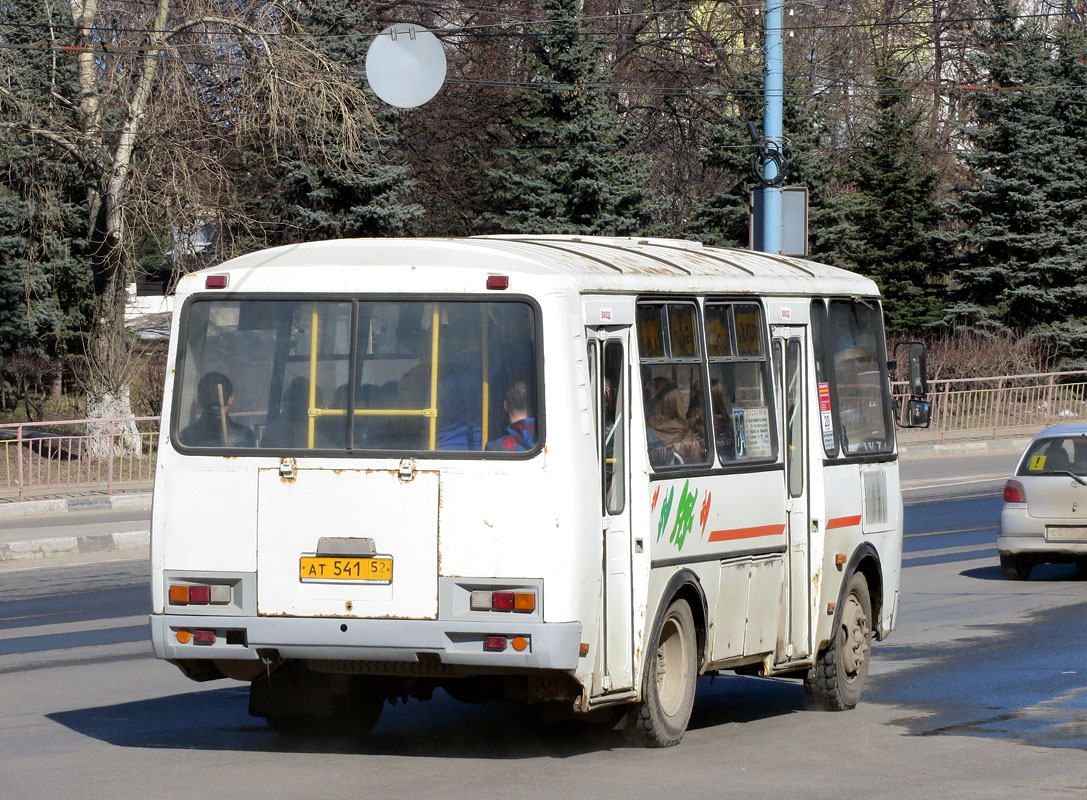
(27, 508)
(968, 448)
(66, 545)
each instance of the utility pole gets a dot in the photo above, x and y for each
(772, 126)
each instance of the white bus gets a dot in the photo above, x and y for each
(575, 471)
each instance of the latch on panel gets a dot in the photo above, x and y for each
(407, 469)
(286, 469)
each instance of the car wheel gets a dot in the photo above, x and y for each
(1016, 568)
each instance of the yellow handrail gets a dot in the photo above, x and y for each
(435, 324)
(486, 381)
(430, 413)
(311, 417)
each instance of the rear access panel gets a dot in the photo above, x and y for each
(347, 543)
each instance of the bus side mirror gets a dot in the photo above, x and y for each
(918, 413)
(916, 361)
(918, 379)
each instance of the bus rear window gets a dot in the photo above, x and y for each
(357, 374)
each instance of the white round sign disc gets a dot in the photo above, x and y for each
(405, 65)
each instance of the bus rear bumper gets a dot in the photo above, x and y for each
(551, 645)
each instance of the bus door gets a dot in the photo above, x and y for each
(790, 361)
(610, 386)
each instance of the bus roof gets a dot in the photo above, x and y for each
(590, 263)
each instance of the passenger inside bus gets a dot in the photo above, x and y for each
(291, 428)
(670, 435)
(214, 427)
(521, 430)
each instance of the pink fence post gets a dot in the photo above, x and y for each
(946, 420)
(109, 450)
(1049, 386)
(997, 405)
(19, 451)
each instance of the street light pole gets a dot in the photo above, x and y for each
(773, 136)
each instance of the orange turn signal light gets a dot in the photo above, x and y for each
(524, 601)
(184, 635)
(179, 594)
(519, 643)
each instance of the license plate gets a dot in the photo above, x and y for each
(1066, 534)
(345, 569)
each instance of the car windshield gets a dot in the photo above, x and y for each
(350, 374)
(1056, 455)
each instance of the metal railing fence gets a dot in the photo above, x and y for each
(37, 457)
(988, 405)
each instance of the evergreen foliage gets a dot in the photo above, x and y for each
(1022, 265)
(45, 283)
(894, 214)
(721, 219)
(368, 194)
(564, 168)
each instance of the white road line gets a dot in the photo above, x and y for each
(956, 530)
(981, 550)
(74, 627)
(954, 482)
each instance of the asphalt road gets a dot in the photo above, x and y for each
(980, 692)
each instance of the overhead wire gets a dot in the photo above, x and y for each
(505, 26)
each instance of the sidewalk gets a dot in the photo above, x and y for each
(27, 533)
(926, 444)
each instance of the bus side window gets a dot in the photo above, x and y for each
(594, 387)
(820, 328)
(860, 377)
(670, 352)
(614, 411)
(739, 382)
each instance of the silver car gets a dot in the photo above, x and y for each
(1045, 504)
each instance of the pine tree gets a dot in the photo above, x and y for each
(564, 169)
(1024, 236)
(896, 213)
(367, 194)
(722, 218)
(811, 161)
(45, 280)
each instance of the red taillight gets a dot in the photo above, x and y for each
(200, 595)
(498, 282)
(495, 644)
(215, 282)
(502, 601)
(203, 637)
(1014, 492)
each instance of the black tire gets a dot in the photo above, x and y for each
(836, 680)
(1016, 568)
(670, 678)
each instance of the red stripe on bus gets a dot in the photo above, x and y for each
(843, 522)
(747, 533)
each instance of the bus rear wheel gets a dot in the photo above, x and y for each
(836, 680)
(671, 675)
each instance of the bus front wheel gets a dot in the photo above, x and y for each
(661, 719)
(836, 680)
